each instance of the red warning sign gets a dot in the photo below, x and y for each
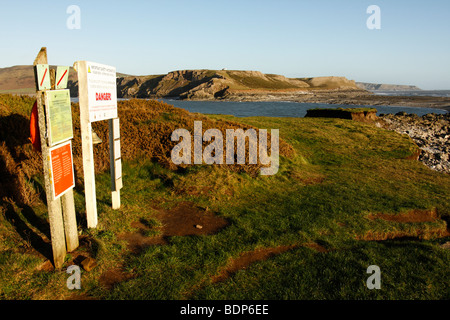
(43, 77)
(62, 75)
(61, 168)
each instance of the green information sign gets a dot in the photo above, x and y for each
(59, 116)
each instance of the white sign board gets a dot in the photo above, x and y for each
(101, 90)
(59, 116)
(97, 92)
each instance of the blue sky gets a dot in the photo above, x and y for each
(294, 38)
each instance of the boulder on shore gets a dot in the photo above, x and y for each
(430, 132)
(357, 114)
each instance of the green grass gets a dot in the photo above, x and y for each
(308, 275)
(342, 171)
(244, 81)
(274, 211)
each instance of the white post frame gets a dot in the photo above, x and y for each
(92, 87)
(87, 147)
(115, 161)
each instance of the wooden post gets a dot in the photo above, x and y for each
(62, 229)
(54, 206)
(70, 221)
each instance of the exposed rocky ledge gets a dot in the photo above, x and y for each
(430, 132)
(368, 99)
(344, 97)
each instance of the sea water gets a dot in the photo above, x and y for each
(277, 108)
(280, 108)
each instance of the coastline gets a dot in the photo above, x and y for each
(356, 98)
(430, 133)
(345, 98)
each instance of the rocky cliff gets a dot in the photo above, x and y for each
(223, 84)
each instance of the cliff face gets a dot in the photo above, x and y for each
(184, 84)
(223, 84)
(329, 83)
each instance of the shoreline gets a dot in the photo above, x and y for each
(357, 98)
(429, 132)
(345, 98)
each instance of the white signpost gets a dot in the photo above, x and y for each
(116, 161)
(98, 101)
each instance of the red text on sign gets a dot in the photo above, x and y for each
(102, 96)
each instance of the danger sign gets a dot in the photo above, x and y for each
(97, 92)
(102, 91)
(61, 169)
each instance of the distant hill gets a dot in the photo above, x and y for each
(186, 84)
(222, 84)
(386, 87)
(17, 79)
(20, 79)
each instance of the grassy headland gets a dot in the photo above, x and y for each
(345, 198)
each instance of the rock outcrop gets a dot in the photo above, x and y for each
(224, 84)
(430, 132)
(328, 83)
